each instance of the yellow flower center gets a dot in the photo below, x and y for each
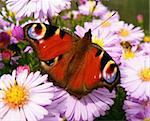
(9, 32)
(147, 39)
(147, 119)
(124, 32)
(98, 41)
(106, 24)
(11, 14)
(128, 55)
(145, 74)
(16, 96)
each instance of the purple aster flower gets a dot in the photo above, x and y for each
(17, 32)
(93, 105)
(135, 77)
(37, 8)
(105, 39)
(128, 32)
(23, 96)
(137, 110)
(109, 14)
(3, 23)
(58, 106)
(92, 7)
(145, 48)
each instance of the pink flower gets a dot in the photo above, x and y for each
(6, 55)
(139, 18)
(20, 69)
(137, 110)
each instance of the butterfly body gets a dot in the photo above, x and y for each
(73, 63)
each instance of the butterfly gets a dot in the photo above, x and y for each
(73, 63)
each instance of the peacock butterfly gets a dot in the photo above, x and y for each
(75, 64)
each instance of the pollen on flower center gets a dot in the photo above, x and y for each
(98, 41)
(124, 32)
(147, 119)
(128, 54)
(106, 24)
(145, 74)
(147, 39)
(16, 96)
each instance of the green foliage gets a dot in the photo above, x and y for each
(116, 112)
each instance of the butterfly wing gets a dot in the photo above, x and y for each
(48, 41)
(75, 64)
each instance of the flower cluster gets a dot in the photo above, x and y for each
(28, 95)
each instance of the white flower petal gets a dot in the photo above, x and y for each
(29, 114)
(3, 111)
(39, 81)
(77, 113)
(43, 88)
(37, 110)
(83, 110)
(70, 106)
(40, 99)
(21, 77)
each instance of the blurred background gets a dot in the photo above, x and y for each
(130, 9)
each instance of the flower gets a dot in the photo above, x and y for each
(135, 77)
(37, 8)
(105, 39)
(93, 7)
(112, 15)
(139, 18)
(17, 33)
(93, 105)
(137, 110)
(4, 40)
(108, 22)
(13, 34)
(23, 96)
(145, 48)
(128, 32)
(58, 106)
(22, 68)
(28, 49)
(6, 55)
(129, 51)
(82, 1)
(3, 23)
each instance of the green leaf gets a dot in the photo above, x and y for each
(116, 112)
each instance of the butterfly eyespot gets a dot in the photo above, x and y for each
(54, 60)
(110, 72)
(37, 31)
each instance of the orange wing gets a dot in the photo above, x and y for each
(54, 46)
(75, 64)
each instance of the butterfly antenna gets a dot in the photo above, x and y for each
(94, 7)
(104, 21)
